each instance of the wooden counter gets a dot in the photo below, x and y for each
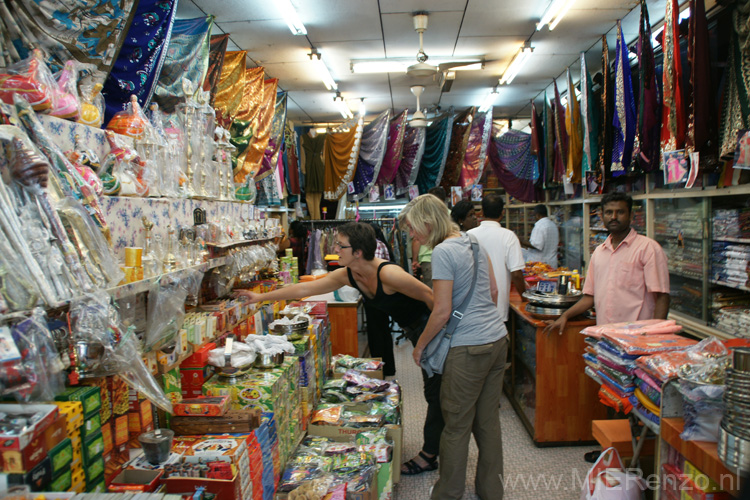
(546, 383)
(344, 331)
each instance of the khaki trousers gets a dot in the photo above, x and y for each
(470, 397)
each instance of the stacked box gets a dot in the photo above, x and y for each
(202, 449)
(140, 417)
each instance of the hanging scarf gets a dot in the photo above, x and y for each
(672, 111)
(605, 127)
(537, 143)
(395, 150)
(735, 113)
(457, 151)
(292, 161)
(371, 153)
(513, 162)
(573, 128)
(437, 141)
(414, 141)
(476, 150)
(624, 116)
(701, 131)
(275, 138)
(548, 127)
(144, 51)
(245, 117)
(261, 129)
(231, 88)
(646, 150)
(561, 138)
(91, 32)
(187, 58)
(340, 155)
(589, 120)
(216, 51)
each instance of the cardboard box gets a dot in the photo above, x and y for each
(222, 488)
(63, 482)
(90, 397)
(21, 461)
(140, 418)
(692, 491)
(194, 377)
(94, 470)
(37, 478)
(202, 407)
(93, 447)
(61, 457)
(97, 486)
(136, 480)
(376, 374)
(18, 442)
(55, 433)
(702, 482)
(91, 425)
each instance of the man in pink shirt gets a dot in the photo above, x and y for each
(627, 278)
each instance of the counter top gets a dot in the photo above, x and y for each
(519, 306)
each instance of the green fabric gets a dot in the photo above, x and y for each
(425, 254)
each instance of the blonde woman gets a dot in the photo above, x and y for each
(473, 372)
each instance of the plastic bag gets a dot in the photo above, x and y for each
(92, 105)
(607, 481)
(131, 121)
(32, 80)
(122, 170)
(242, 355)
(166, 306)
(703, 408)
(66, 104)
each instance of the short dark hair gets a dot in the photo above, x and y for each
(615, 197)
(297, 229)
(492, 206)
(461, 210)
(540, 210)
(438, 191)
(361, 237)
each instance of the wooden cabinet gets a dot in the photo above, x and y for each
(546, 383)
(344, 331)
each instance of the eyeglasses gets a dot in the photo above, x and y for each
(339, 245)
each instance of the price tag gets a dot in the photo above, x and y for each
(546, 286)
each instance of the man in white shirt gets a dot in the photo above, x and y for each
(504, 250)
(542, 245)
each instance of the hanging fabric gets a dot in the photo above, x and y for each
(672, 111)
(561, 138)
(231, 88)
(90, 32)
(216, 51)
(537, 143)
(292, 166)
(548, 127)
(605, 125)
(437, 141)
(735, 112)
(245, 115)
(624, 116)
(144, 52)
(646, 149)
(261, 129)
(457, 151)
(573, 128)
(589, 121)
(275, 138)
(187, 57)
(476, 150)
(340, 156)
(513, 162)
(414, 142)
(395, 150)
(371, 153)
(701, 129)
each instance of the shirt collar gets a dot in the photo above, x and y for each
(490, 223)
(627, 241)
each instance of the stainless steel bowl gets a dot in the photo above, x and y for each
(734, 429)
(552, 299)
(294, 331)
(738, 375)
(733, 450)
(741, 359)
(268, 361)
(89, 355)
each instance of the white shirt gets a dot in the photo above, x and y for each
(544, 238)
(504, 250)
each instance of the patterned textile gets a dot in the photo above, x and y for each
(574, 129)
(589, 120)
(231, 88)
(735, 113)
(548, 128)
(672, 111)
(513, 162)
(217, 49)
(395, 150)
(476, 150)
(341, 153)
(624, 119)
(561, 138)
(187, 58)
(91, 32)
(371, 153)
(457, 151)
(262, 127)
(605, 127)
(646, 149)
(537, 142)
(292, 162)
(701, 127)
(275, 137)
(414, 141)
(437, 141)
(141, 58)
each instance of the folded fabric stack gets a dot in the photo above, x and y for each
(729, 263)
(734, 320)
(731, 223)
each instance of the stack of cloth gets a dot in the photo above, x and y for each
(731, 223)
(734, 320)
(611, 357)
(729, 263)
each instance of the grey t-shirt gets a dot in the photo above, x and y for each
(453, 260)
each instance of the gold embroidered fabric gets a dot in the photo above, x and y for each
(340, 157)
(261, 130)
(231, 87)
(575, 142)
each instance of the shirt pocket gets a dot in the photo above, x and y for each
(630, 274)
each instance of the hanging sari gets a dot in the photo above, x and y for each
(476, 150)
(457, 151)
(231, 88)
(561, 139)
(537, 142)
(371, 153)
(701, 129)
(605, 126)
(437, 141)
(589, 120)
(395, 150)
(246, 115)
(187, 58)
(261, 130)
(275, 139)
(414, 142)
(672, 111)
(548, 127)
(624, 116)
(143, 53)
(735, 113)
(573, 128)
(292, 161)
(340, 155)
(216, 51)
(514, 163)
(646, 149)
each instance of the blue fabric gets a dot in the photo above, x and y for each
(621, 389)
(435, 153)
(140, 60)
(514, 164)
(624, 119)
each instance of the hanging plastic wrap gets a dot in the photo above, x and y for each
(207, 176)
(151, 148)
(166, 306)
(30, 79)
(167, 161)
(190, 119)
(123, 170)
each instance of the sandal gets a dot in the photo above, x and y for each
(592, 456)
(413, 468)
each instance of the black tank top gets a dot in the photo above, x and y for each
(405, 310)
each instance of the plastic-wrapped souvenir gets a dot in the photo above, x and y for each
(167, 166)
(131, 121)
(86, 163)
(176, 152)
(66, 103)
(123, 164)
(30, 79)
(92, 105)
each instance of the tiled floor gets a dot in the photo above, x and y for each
(531, 473)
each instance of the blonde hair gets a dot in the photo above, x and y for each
(429, 210)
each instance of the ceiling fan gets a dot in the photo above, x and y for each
(418, 119)
(422, 69)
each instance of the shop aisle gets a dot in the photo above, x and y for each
(531, 473)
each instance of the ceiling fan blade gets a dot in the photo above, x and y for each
(458, 65)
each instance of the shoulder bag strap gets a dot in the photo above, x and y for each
(458, 312)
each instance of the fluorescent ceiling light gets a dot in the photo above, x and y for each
(516, 64)
(322, 70)
(291, 17)
(561, 14)
(362, 107)
(400, 64)
(342, 107)
(489, 101)
(549, 14)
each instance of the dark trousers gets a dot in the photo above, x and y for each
(379, 338)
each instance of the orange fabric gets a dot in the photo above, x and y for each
(336, 154)
(229, 92)
(253, 95)
(261, 131)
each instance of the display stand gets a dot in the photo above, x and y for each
(546, 383)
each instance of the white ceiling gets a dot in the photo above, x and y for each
(363, 29)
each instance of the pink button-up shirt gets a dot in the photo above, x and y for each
(623, 280)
